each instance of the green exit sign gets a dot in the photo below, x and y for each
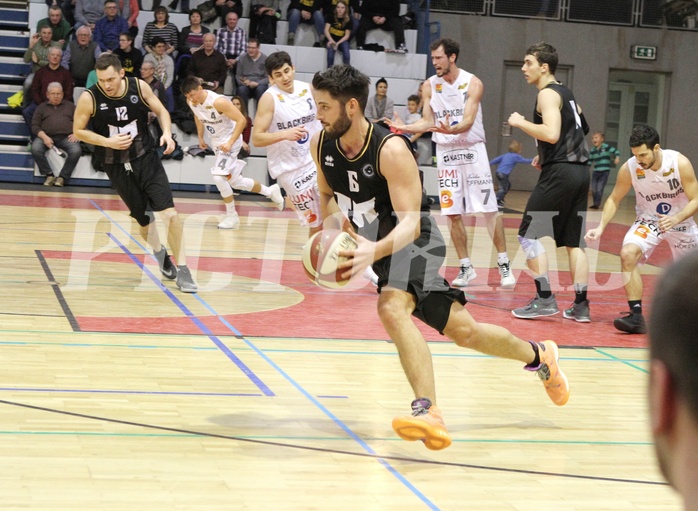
(644, 52)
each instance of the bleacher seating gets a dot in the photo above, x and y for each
(404, 72)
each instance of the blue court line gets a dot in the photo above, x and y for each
(204, 329)
(621, 360)
(147, 392)
(295, 384)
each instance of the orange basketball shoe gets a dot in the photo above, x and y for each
(425, 424)
(554, 380)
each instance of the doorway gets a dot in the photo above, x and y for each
(634, 97)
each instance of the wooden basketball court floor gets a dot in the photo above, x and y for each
(264, 392)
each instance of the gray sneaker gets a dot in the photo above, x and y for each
(578, 312)
(167, 268)
(185, 282)
(537, 307)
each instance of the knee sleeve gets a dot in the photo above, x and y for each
(243, 183)
(532, 248)
(223, 186)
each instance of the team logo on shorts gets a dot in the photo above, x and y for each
(446, 199)
(134, 99)
(640, 173)
(642, 231)
(367, 170)
(460, 157)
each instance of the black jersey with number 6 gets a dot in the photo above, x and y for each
(125, 114)
(360, 190)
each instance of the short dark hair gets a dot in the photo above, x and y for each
(450, 46)
(413, 97)
(253, 40)
(189, 84)
(157, 40)
(545, 54)
(194, 11)
(644, 134)
(277, 60)
(127, 35)
(107, 60)
(381, 80)
(343, 83)
(672, 327)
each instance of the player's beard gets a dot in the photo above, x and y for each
(340, 126)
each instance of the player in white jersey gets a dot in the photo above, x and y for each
(285, 121)
(224, 124)
(666, 195)
(452, 112)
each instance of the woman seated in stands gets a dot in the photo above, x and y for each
(161, 27)
(338, 32)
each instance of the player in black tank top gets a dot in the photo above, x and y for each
(367, 184)
(370, 178)
(557, 206)
(127, 113)
(571, 147)
(118, 108)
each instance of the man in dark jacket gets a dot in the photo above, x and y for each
(383, 14)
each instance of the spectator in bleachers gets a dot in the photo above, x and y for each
(306, 11)
(263, 17)
(51, 72)
(231, 41)
(60, 27)
(242, 106)
(148, 76)
(413, 116)
(52, 125)
(383, 14)
(191, 39)
(109, 28)
(37, 53)
(88, 12)
(39, 46)
(338, 33)
(380, 107)
(131, 58)
(251, 75)
(129, 10)
(209, 65)
(354, 16)
(80, 56)
(226, 6)
(164, 69)
(163, 29)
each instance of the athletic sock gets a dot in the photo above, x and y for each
(502, 258)
(465, 262)
(264, 190)
(543, 286)
(580, 293)
(635, 306)
(536, 359)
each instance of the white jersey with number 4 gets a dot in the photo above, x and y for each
(292, 110)
(219, 126)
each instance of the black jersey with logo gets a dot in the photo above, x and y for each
(360, 190)
(571, 147)
(125, 114)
